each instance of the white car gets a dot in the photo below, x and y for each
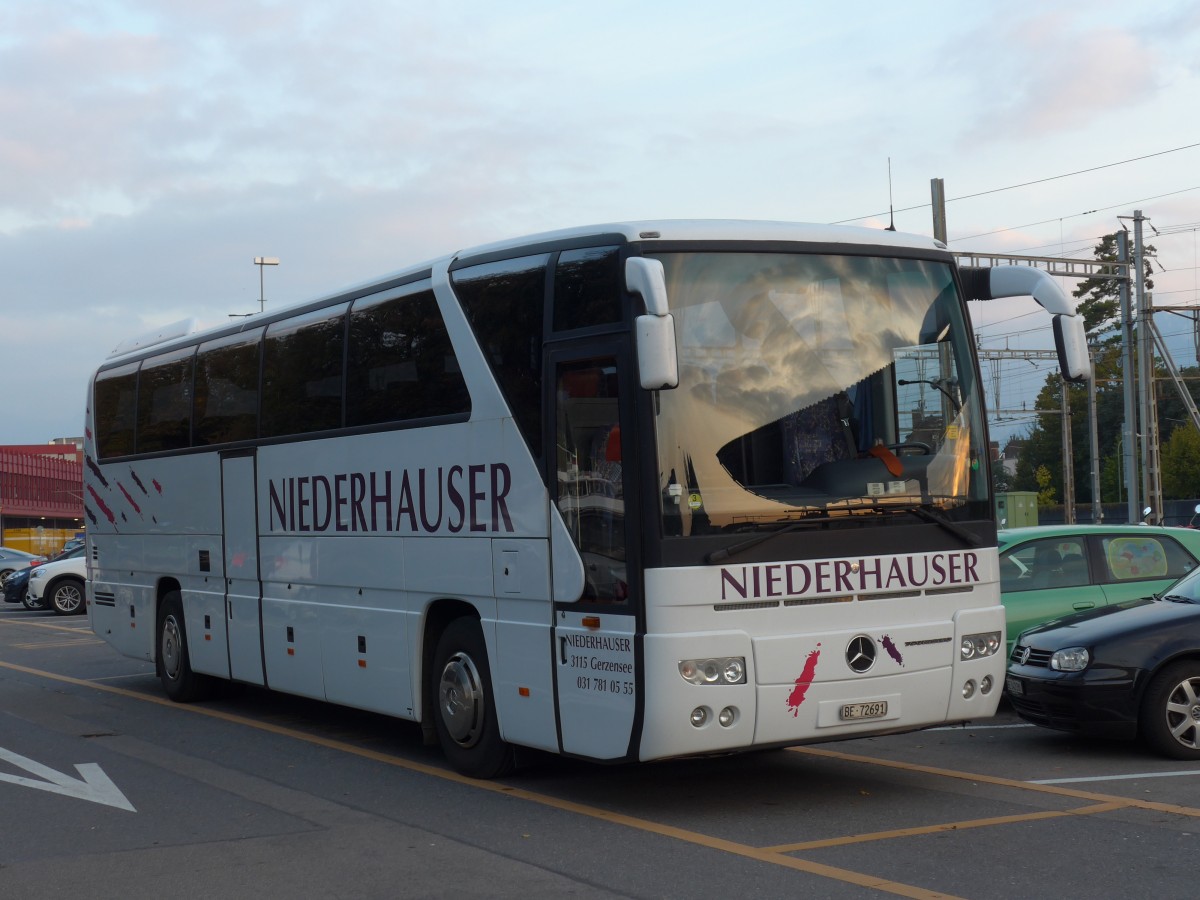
(60, 585)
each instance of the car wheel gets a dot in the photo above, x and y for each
(67, 597)
(29, 603)
(173, 662)
(1170, 714)
(464, 710)
(4, 573)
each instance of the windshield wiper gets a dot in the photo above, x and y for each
(873, 510)
(1177, 598)
(788, 525)
(924, 512)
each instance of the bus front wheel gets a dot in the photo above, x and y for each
(173, 663)
(464, 708)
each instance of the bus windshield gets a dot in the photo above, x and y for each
(815, 386)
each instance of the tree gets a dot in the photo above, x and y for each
(1180, 457)
(1100, 307)
(1046, 491)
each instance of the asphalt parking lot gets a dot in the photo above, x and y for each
(107, 787)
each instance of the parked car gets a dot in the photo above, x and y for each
(1120, 671)
(60, 585)
(1048, 571)
(16, 586)
(12, 560)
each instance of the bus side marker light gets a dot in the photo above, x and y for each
(523, 691)
(291, 651)
(591, 621)
(362, 663)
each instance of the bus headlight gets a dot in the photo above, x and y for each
(977, 646)
(717, 670)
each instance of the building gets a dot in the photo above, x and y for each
(41, 495)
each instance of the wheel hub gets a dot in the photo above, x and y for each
(460, 699)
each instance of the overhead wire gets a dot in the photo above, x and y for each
(1029, 184)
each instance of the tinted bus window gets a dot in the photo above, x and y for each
(165, 402)
(587, 288)
(302, 373)
(400, 362)
(504, 302)
(227, 390)
(115, 411)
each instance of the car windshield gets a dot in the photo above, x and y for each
(815, 386)
(1185, 590)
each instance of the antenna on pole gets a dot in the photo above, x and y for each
(891, 214)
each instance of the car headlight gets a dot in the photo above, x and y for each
(1070, 659)
(36, 573)
(977, 646)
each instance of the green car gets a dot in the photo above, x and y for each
(1048, 571)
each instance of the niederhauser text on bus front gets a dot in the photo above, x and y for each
(849, 576)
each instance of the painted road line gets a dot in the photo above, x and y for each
(1135, 777)
(946, 826)
(1001, 782)
(845, 876)
(92, 784)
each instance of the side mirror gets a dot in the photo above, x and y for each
(1070, 339)
(658, 358)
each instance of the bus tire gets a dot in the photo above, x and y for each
(67, 597)
(1169, 720)
(464, 711)
(172, 662)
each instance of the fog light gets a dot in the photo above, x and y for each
(735, 671)
(985, 684)
(727, 716)
(699, 716)
(969, 689)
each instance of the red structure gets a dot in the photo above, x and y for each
(41, 495)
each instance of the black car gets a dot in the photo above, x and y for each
(1123, 671)
(16, 588)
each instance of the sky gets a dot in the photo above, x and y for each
(149, 151)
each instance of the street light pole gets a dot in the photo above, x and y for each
(262, 261)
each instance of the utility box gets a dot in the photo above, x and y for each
(1016, 509)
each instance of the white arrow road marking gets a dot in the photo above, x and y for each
(92, 784)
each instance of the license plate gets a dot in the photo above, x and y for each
(873, 710)
(1013, 686)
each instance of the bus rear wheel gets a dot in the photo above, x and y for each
(464, 709)
(174, 665)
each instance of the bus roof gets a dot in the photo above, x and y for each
(726, 230)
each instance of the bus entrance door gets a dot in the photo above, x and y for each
(243, 587)
(595, 663)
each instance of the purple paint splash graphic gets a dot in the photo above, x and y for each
(137, 509)
(91, 464)
(138, 482)
(108, 513)
(796, 697)
(892, 650)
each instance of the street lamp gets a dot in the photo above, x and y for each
(262, 261)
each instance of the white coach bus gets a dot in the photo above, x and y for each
(630, 492)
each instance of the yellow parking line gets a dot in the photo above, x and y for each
(1002, 782)
(703, 840)
(946, 826)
